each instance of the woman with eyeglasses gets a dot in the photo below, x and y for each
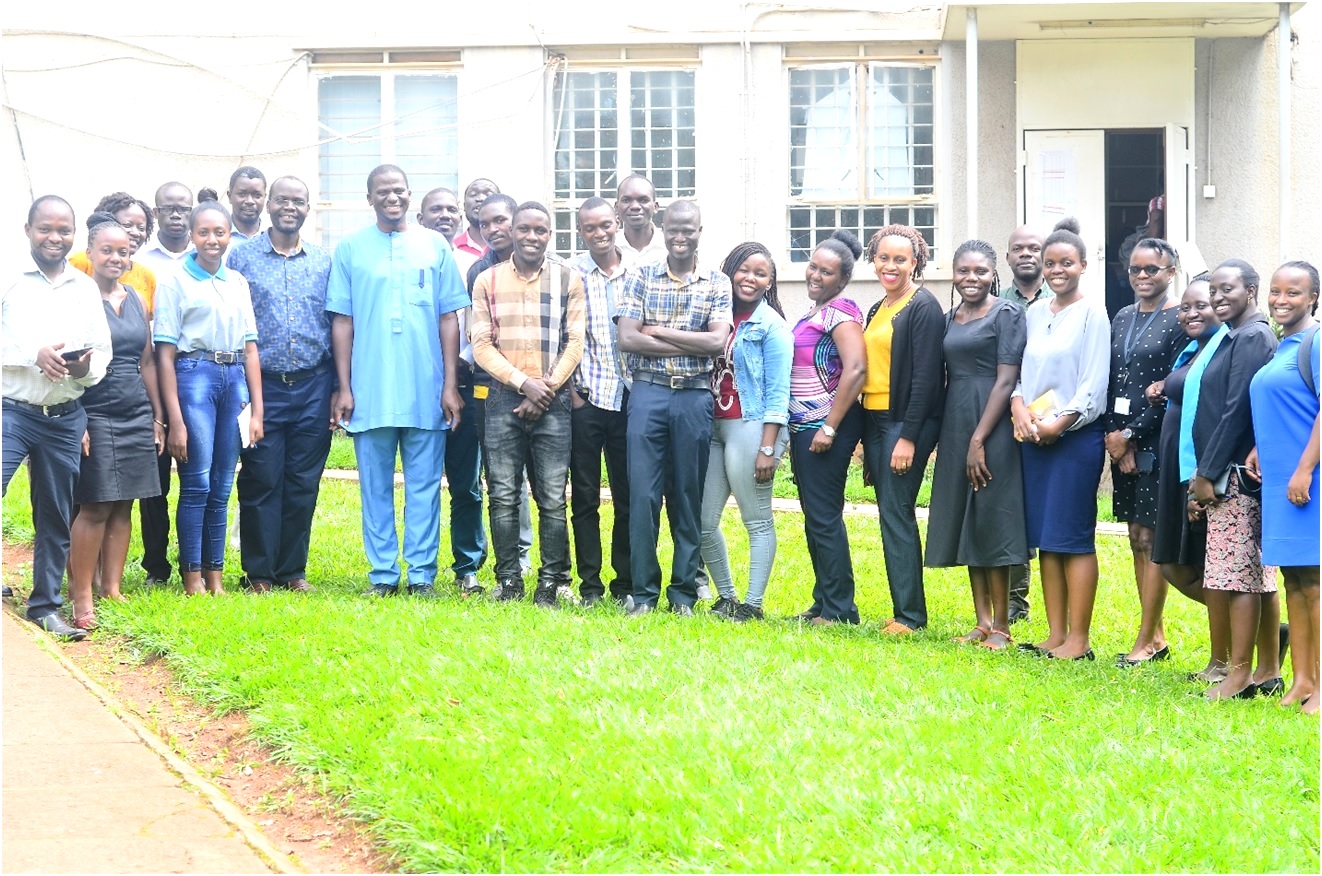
(134, 216)
(1145, 337)
(1240, 591)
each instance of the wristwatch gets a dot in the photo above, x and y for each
(828, 431)
(769, 450)
(1127, 434)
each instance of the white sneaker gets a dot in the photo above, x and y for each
(704, 592)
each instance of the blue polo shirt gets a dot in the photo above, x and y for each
(288, 302)
(200, 311)
(396, 287)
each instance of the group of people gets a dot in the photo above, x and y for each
(455, 341)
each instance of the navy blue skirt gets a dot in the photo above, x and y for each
(1060, 491)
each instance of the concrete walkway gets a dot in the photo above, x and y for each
(87, 791)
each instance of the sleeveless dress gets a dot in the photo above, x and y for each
(983, 528)
(1176, 540)
(122, 464)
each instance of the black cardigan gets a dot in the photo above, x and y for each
(918, 390)
(1223, 426)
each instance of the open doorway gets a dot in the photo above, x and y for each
(1135, 180)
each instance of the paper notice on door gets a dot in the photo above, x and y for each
(1059, 169)
(245, 426)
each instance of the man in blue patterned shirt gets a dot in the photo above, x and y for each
(673, 319)
(280, 476)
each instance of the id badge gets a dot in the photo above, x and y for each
(1122, 406)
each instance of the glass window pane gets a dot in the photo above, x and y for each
(349, 113)
(823, 133)
(427, 130)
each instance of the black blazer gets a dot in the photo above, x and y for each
(1223, 426)
(918, 390)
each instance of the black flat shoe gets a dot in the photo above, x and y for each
(1030, 648)
(1086, 655)
(1272, 687)
(1124, 661)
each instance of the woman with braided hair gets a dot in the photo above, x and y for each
(902, 399)
(135, 217)
(751, 382)
(977, 507)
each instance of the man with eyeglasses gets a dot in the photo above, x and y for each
(280, 476)
(163, 254)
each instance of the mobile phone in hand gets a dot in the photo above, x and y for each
(74, 355)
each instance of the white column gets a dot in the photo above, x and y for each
(971, 119)
(1283, 183)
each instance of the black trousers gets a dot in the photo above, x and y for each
(155, 516)
(597, 431)
(280, 478)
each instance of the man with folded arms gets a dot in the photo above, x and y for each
(281, 476)
(527, 332)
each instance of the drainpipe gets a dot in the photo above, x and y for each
(1283, 129)
(971, 118)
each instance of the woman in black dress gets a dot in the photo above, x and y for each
(1144, 339)
(124, 431)
(977, 507)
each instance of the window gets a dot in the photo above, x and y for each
(612, 123)
(408, 119)
(861, 151)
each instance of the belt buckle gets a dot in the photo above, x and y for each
(45, 411)
(225, 357)
(284, 378)
(676, 382)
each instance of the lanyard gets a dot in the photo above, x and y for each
(1131, 343)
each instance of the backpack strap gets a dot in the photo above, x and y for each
(1305, 359)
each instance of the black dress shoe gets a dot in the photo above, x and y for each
(382, 590)
(56, 626)
(1086, 655)
(590, 600)
(423, 591)
(1271, 687)
(9, 592)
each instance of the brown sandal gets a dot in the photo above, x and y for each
(972, 637)
(86, 620)
(1009, 640)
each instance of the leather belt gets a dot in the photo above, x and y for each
(45, 410)
(292, 377)
(696, 381)
(220, 357)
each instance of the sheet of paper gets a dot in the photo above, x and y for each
(245, 426)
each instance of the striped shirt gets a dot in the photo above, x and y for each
(528, 328)
(655, 296)
(602, 371)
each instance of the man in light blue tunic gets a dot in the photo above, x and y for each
(394, 296)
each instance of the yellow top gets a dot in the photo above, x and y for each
(138, 277)
(877, 339)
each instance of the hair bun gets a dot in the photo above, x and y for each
(1069, 223)
(849, 240)
(101, 218)
(206, 194)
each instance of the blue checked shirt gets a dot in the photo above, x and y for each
(657, 297)
(288, 301)
(602, 371)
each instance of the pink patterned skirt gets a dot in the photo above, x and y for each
(1234, 545)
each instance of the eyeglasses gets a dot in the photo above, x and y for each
(173, 210)
(1147, 270)
(289, 202)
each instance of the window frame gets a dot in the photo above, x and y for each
(861, 62)
(383, 66)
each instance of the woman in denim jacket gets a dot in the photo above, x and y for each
(751, 382)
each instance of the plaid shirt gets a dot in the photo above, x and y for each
(516, 331)
(655, 296)
(602, 372)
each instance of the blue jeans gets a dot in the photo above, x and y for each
(463, 470)
(53, 446)
(210, 399)
(422, 452)
(669, 445)
(543, 445)
(896, 497)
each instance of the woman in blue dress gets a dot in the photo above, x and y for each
(1285, 423)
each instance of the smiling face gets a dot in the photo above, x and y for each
(389, 197)
(635, 204)
(288, 205)
(1230, 297)
(974, 273)
(495, 219)
(1196, 315)
(598, 227)
(51, 233)
(681, 230)
(824, 275)
(894, 263)
(211, 236)
(751, 281)
(110, 251)
(1292, 298)
(1025, 255)
(1150, 273)
(247, 198)
(440, 212)
(1063, 265)
(134, 221)
(532, 234)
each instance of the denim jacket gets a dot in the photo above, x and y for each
(763, 351)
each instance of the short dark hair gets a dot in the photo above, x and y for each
(438, 190)
(385, 168)
(1067, 231)
(1157, 245)
(531, 205)
(1311, 270)
(683, 207)
(37, 204)
(1247, 272)
(498, 198)
(650, 185)
(592, 204)
(246, 172)
(207, 206)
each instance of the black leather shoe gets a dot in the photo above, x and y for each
(56, 626)
(9, 592)
(1272, 687)
(591, 600)
(423, 591)
(382, 590)
(509, 591)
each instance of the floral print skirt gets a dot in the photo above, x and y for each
(1234, 544)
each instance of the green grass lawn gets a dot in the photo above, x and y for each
(480, 737)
